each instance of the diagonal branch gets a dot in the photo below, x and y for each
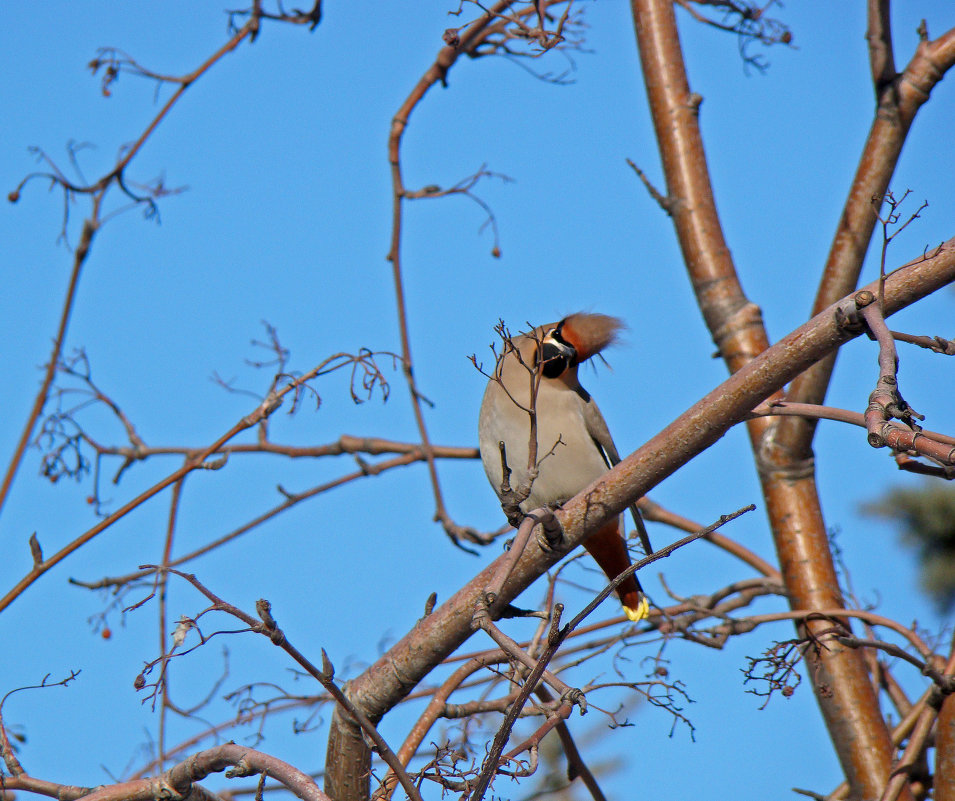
(79, 259)
(179, 780)
(899, 101)
(196, 461)
(570, 696)
(97, 191)
(787, 476)
(436, 636)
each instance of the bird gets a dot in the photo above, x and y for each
(573, 443)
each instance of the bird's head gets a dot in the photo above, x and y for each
(575, 339)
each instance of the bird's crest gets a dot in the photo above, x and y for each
(589, 334)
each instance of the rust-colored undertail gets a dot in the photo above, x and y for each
(609, 550)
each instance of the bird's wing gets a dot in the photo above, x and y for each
(599, 433)
(597, 428)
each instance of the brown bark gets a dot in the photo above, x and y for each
(738, 331)
(181, 780)
(786, 461)
(848, 702)
(899, 99)
(437, 636)
(845, 696)
(944, 784)
(347, 759)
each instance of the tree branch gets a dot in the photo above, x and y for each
(437, 636)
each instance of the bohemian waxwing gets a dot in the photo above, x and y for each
(574, 447)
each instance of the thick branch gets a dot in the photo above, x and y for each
(899, 101)
(439, 634)
(733, 321)
(792, 501)
(944, 784)
(177, 782)
(879, 37)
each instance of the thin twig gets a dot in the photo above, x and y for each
(557, 637)
(267, 626)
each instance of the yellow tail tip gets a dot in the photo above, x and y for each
(642, 611)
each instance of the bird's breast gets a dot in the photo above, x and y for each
(568, 459)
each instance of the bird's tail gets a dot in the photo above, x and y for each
(609, 550)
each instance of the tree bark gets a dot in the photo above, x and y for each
(944, 785)
(848, 702)
(437, 636)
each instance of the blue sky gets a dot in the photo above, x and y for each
(286, 219)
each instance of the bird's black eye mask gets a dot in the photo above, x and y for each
(556, 354)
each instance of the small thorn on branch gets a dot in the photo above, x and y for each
(36, 550)
(946, 347)
(328, 669)
(664, 202)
